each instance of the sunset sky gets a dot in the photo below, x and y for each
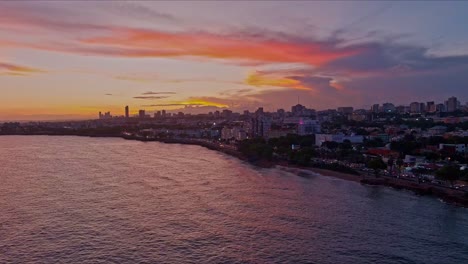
(69, 60)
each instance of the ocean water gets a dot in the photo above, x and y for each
(108, 200)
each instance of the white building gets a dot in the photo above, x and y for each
(308, 127)
(461, 148)
(339, 138)
(236, 133)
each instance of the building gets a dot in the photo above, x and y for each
(440, 108)
(422, 107)
(460, 148)
(106, 115)
(237, 133)
(141, 113)
(127, 112)
(415, 107)
(260, 126)
(388, 108)
(226, 113)
(437, 130)
(345, 110)
(402, 109)
(356, 116)
(339, 138)
(308, 126)
(451, 104)
(259, 111)
(413, 160)
(298, 110)
(430, 107)
(375, 108)
(277, 133)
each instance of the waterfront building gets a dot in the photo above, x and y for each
(127, 112)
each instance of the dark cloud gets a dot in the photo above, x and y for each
(154, 93)
(150, 97)
(175, 104)
(108, 94)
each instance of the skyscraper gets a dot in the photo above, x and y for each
(126, 111)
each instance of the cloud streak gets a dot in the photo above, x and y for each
(18, 70)
(154, 93)
(150, 97)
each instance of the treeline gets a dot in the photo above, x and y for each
(293, 149)
(410, 145)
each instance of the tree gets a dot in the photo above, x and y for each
(377, 165)
(399, 163)
(449, 173)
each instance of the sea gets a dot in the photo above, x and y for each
(66, 199)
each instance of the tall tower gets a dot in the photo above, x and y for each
(126, 112)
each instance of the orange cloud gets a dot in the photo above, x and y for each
(241, 48)
(150, 43)
(298, 80)
(260, 79)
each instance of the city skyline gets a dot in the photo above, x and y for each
(58, 61)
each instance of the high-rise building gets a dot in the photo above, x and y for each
(375, 108)
(422, 107)
(345, 110)
(141, 114)
(430, 107)
(388, 108)
(127, 112)
(415, 107)
(226, 113)
(298, 110)
(260, 126)
(451, 104)
(308, 126)
(280, 112)
(259, 111)
(440, 108)
(163, 113)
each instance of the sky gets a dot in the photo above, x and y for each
(72, 59)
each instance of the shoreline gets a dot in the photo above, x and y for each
(448, 195)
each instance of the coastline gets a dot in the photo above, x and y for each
(451, 196)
